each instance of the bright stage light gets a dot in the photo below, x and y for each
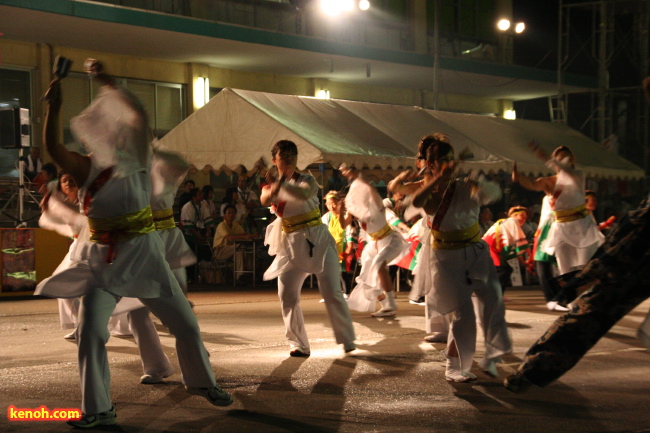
(503, 25)
(329, 7)
(364, 5)
(323, 94)
(510, 114)
(335, 7)
(520, 27)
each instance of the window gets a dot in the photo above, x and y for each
(15, 86)
(164, 102)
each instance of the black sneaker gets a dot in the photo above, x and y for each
(88, 421)
(214, 395)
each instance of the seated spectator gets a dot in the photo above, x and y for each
(232, 198)
(208, 211)
(336, 182)
(485, 219)
(185, 196)
(50, 180)
(33, 163)
(227, 232)
(192, 226)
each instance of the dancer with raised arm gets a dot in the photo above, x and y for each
(573, 236)
(383, 247)
(437, 325)
(125, 256)
(302, 245)
(457, 267)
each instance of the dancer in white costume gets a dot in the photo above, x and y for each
(167, 172)
(302, 246)
(60, 213)
(125, 255)
(574, 236)
(437, 325)
(383, 247)
(458, 264)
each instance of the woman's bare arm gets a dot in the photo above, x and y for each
(77, 165)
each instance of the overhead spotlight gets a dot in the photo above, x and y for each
(329, 7)
(503, 25)
(510, 114)
(520, 27)
(334, 7)
(364, 5)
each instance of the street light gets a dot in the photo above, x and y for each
(505, 24)
(505, 27)
(335, 7)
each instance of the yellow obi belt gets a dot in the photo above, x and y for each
(566, 216)
(121, 228)
(381, 234)
(456, 239)
(299, 222)
(164, 219)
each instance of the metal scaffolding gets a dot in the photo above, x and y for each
(609, 37)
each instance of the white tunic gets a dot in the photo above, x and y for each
(167, 173)
(364, 203)
(303, 250)
(114, 127)
(448, 275)
(570, 194)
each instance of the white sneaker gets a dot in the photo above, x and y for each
(453, 373)
(322, 301)
(437, 337)
(71, 336)
(384, 313)
(152, 378)
(554, 306)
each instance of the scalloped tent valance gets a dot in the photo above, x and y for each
(237, 127)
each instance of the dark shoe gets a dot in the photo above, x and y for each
(214, 395)
(517, 383)
(88, 421)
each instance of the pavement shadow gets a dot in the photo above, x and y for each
(261, 407)
(560, 404)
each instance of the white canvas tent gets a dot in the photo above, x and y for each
(239, 126)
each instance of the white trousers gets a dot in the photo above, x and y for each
(174, 312)
(329, 283)
(570, 258)
(487, 303)
(434, 322)
(154, 360)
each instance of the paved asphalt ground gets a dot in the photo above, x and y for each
(394, 383)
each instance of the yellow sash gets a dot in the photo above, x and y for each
(299, 222)
(381, 234)
(164, 219)
(121, 228)
(456, 239)
(566, 216)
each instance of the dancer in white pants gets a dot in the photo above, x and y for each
(384, 247)
(125, 255)
(574, 236)
(407, 183)
(459, 264)
(302, 245)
